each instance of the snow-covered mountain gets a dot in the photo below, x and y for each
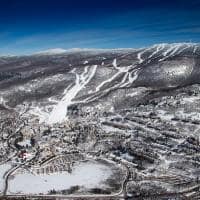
(137, 108)
(57, 80)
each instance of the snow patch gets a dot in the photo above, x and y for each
(114, 63)
(3, 169)
(86, 174)
(85, 62)
(59, 111)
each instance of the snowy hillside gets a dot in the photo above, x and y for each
(136, 108)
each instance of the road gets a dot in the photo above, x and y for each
(12, 170)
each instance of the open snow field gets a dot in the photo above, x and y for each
(86, 174)
(3, 169)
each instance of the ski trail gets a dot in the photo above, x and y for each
(119, 72)
(159, 48)
(171, 51)
(98, 88)
(195, 49)
(127, 74)
(134, 77)
(114, 63)
(139, 57)
(128, 78)
(58, 114)
(183, 49)
(175, 50)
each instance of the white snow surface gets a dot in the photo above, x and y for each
(3, 169)
(58, 114)
(53, 51)
(85, 62)
(115, 63)
(86, 174)
(59, 111)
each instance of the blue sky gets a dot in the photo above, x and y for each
(28, 26)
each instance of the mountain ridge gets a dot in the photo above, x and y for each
(58, 50)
